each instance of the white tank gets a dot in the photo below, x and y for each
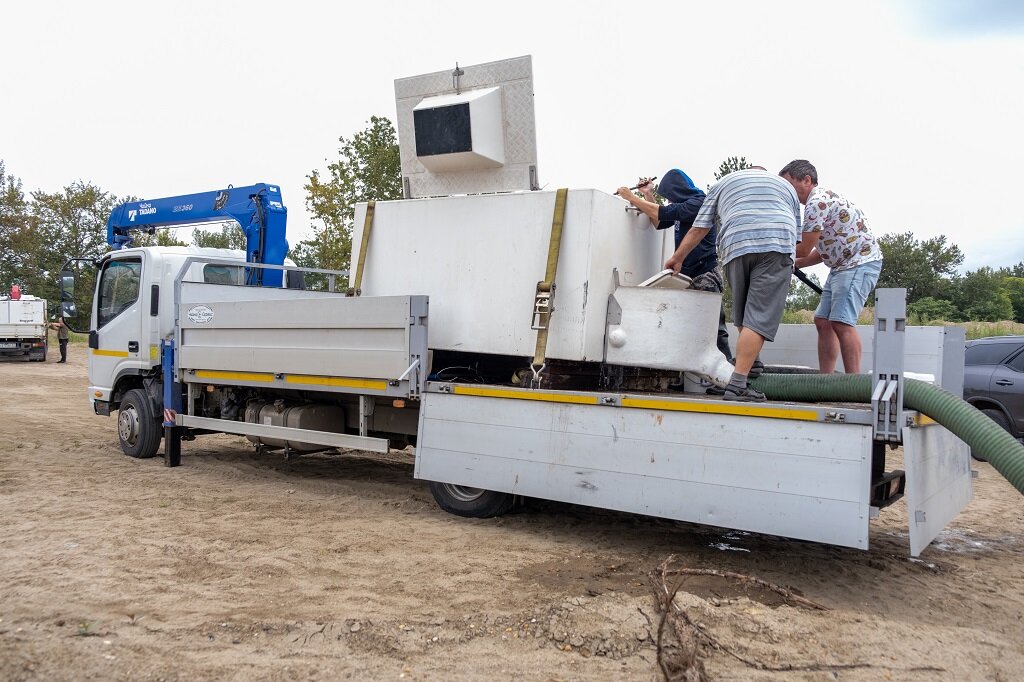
(479, 259)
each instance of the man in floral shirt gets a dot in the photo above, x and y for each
(836, 233)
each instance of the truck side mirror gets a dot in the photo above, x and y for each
(71, 272)
(67, 285)
(67, 294)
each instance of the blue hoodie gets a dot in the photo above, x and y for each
(686, 200)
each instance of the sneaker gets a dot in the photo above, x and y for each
(747, 395)
(756, 370)
(715, 390)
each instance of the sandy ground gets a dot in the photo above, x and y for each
(237, 567)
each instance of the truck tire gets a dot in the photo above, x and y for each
(474, 503)
(138, 429)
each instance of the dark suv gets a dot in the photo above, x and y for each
(994, 380)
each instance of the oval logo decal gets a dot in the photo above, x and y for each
(200, 314)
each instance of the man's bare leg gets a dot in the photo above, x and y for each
(828, 345)
(849, 345)
(748, 345)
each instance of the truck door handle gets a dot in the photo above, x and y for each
(133, 346)
(1004, 382)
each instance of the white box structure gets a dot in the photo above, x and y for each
(479, 259)
(468, 130)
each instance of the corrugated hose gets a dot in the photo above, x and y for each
(984, 436)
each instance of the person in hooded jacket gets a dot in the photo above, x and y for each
(685, 200)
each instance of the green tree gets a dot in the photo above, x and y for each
(160, 237)
(924, 268)
(71, 223)
(731, 165)
(930, 309)
(1014, 288)
(368, 167)
(979, 295)
(17, 239)
(801, 296)
(229, 236)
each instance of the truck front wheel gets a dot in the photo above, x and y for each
(137, 428)
(471, 502)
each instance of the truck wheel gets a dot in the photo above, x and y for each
(471, 502)
(137, 427)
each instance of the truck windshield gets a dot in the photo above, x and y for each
(119, 288)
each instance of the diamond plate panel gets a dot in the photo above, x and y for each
(515, 78)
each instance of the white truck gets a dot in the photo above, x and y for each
(512, 337)
(23, 327)
(180, 346)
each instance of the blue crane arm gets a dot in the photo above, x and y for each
(257, 208)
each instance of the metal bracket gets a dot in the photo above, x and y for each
(408, 371)
(887, 408)
(543, 306)
(889, 340)
(365, 412)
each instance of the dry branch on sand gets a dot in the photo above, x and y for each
(682, 643)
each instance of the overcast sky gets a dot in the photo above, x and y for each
(914, 110)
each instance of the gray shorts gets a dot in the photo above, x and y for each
(760, 285)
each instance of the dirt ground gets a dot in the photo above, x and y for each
(239, 567)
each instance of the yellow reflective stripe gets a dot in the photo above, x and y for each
(371, 384)
(525, 395)
(237, 376)
(110, 353)
(745, 410)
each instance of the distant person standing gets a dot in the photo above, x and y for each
(836, 233)
(62, 338)
(757, 215)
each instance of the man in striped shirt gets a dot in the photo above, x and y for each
(757, 215)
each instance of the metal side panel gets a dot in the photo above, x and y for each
(938, 466)
(319, 337)
(800, 479)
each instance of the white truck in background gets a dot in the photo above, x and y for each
(23, 327)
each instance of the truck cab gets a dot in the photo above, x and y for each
(134, 309)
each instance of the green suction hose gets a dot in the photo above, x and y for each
(984, 436)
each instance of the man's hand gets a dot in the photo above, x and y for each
(674, 264)
(813, 258)
(693, 237)
(626, 194)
